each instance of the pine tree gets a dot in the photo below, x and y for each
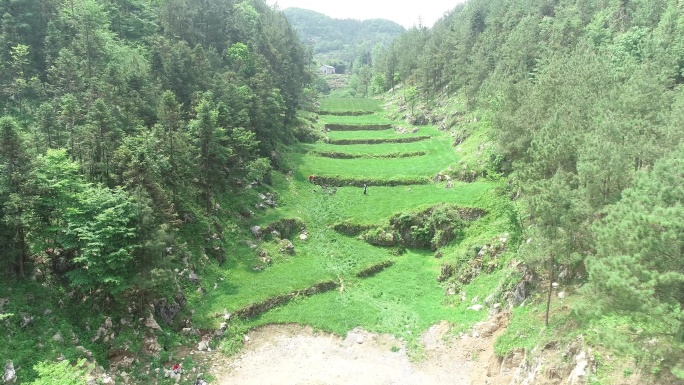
(14, 202)
(210, 141)
(638, 269)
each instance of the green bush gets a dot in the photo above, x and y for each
(60, 373)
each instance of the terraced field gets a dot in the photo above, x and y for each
(346, 271)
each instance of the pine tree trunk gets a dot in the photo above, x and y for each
(22, 253)
(548, 300)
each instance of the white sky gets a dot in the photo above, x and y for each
(404, 12)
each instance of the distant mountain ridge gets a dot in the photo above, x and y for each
(338, 39)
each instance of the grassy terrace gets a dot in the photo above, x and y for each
(356, 120)
(427, 146)
(381, 134)
(350, 105)
(377, 168)
(403, 299)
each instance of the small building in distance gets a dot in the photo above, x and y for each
(327, 70)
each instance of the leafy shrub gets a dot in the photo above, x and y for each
(60, 373)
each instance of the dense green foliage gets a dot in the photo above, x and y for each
(351, 46)
(122, 124)
(585, 100)
(339, 41)
(156, 108)
(61, 373)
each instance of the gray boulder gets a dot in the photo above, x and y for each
(286, 246)
(256, 231)
(10, 375)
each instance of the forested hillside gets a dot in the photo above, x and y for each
(585, 103)
(340, 41)
(125, 126)
(149, 110)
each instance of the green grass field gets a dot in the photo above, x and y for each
(381, 169)
(375, 118)
(403, 299)
(426, 146)
(349, 104)
(381, 134)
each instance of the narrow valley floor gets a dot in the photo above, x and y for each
(297, 355)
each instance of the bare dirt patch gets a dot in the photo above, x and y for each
(297, 355)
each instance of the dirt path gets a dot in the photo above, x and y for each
(295, 355)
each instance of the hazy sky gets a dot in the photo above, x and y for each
(404, 12)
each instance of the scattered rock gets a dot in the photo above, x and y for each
(194, 278)
(151, 323)
(561, 294)
(256, 231)
(152, 345)
(3, 302)
(58, 338)
(303, 236)
(168, 373)
(168, 311)
(578, 374)
(203, 346)
(286, 246)
(476, 307)
(10, 375)
(520, 292)
(26, 320)
(86, 353)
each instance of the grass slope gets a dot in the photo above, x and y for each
(403, 299)
(350, 105)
